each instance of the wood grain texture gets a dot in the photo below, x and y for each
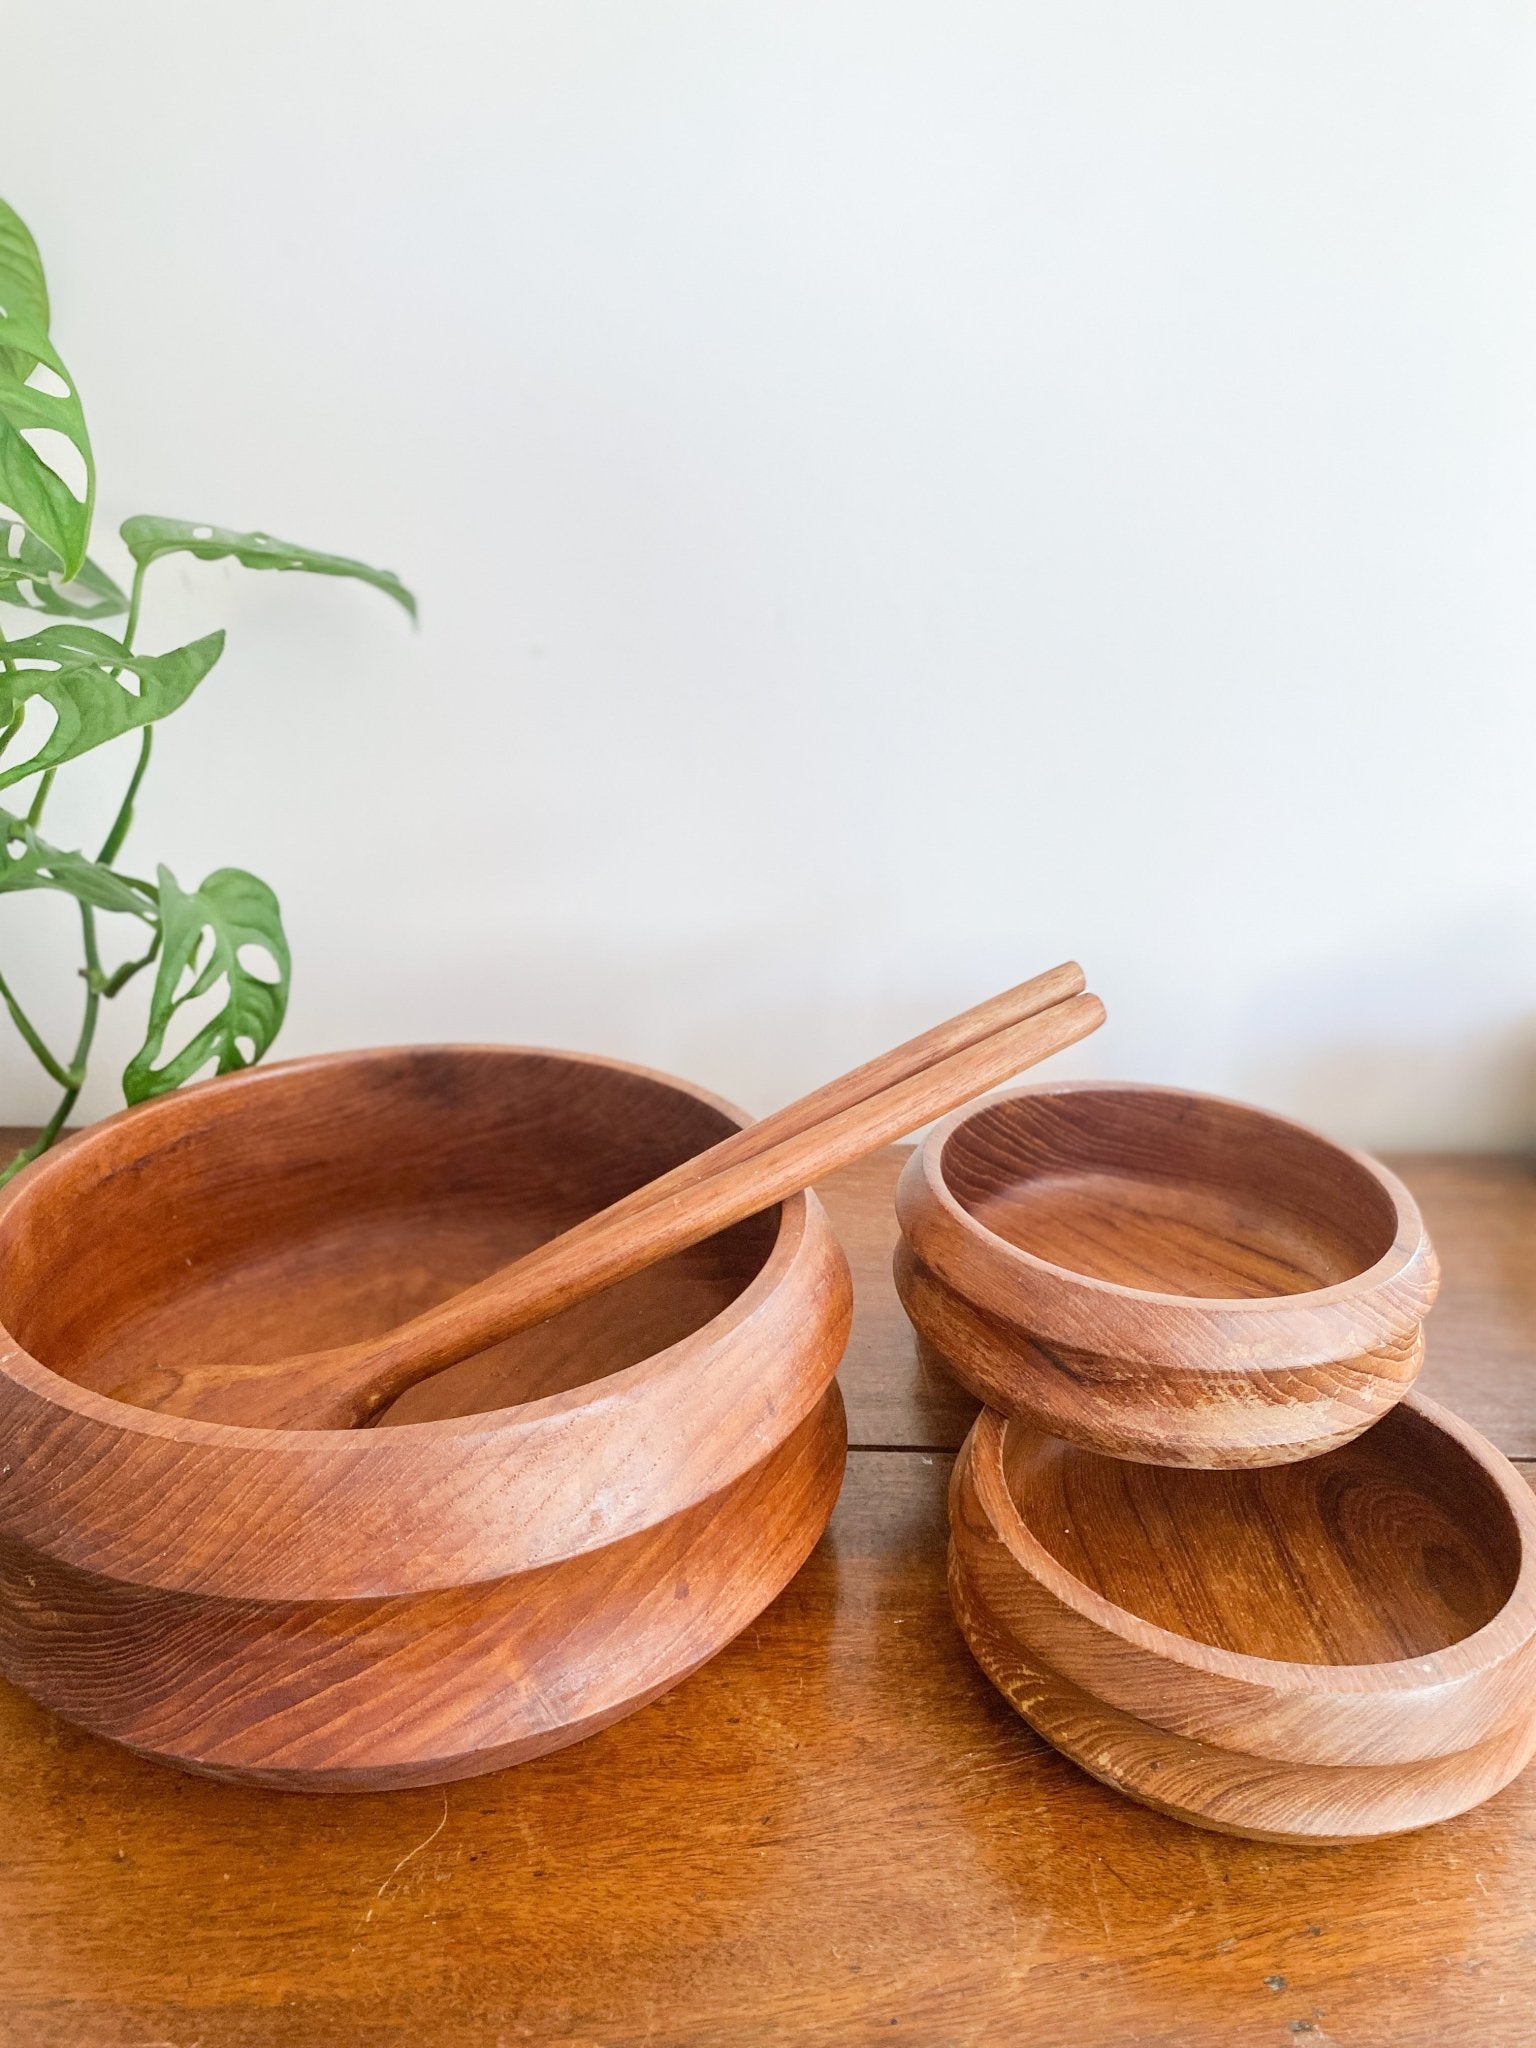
(742, 1175)
(328, 1608)
(1480, 1342)
(1480, 1211)
(1309, 1652)
(900, 1396)
(1164, 1276)
(837, 1831)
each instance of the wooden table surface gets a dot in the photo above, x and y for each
(836, 1832)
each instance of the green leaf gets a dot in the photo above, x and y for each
(148, 538)
(81, 682)
(29, 484)
(234, 910)
(27, 861)
(23, 288)
(32, 575)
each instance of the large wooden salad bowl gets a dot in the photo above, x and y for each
(529, 1546)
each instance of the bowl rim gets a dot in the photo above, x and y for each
(1477, 1654)
(1409, 1238)
(164, 1501)
(17, 1363)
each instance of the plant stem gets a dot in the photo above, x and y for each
(135, 598)
(120, 978)
(112, 844)
(72, 1078)
(76, 1072)
(30, 1033)
(35, 812)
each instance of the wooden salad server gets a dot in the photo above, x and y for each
(765, 1163)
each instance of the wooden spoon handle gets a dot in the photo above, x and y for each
(745, 1173)
(1030, 999)
(610, 1247)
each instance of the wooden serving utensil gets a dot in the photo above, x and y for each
(753, 1169)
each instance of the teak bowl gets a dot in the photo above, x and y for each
(1311, 1652)
(404, 1605)
(1164, 1276)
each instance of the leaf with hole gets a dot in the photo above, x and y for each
(32, 575)
(203, 936)
(27, 861)
(81, 679)
(149, 537)
(37, 397)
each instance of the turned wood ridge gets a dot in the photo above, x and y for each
(1164, 1276)
(1321, 1651)
(750, 1171)
(591, 1511)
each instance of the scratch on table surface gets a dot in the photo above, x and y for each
(1110, 1953)
(410, 1853)
(1007, 1763)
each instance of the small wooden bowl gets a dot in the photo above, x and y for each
(347, 1610)
(1312, 1652)
(1164, 1276)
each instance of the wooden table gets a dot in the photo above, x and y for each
(835, 1833)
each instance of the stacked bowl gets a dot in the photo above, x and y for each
(1204, 1536)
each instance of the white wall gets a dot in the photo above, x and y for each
(899, 493)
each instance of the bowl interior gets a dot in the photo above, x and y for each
(1169, 1193)
(302, 1207)
(1393, 1546)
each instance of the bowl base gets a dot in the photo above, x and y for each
(1318, 1807)
(1227, 1791)
(1208, 1421)
(382, 1695)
